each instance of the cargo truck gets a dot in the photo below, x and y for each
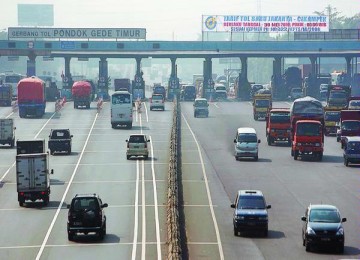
(278, 127)
(337, 97)
(6, 94)
(7, 132)
(32, 172)
(81, 93)
(31, 97)
(307, 124)
(123, 84)
(349, 125)
(262, 103)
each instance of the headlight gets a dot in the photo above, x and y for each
(340, 232)
(263, 218)
(239, 217)
(309, 231)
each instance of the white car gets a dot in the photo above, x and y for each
(157, 102)
(137, 145)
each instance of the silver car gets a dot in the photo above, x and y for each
(137, 145)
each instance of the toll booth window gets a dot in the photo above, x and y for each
(308, 130)
(120, 99)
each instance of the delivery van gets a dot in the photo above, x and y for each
(121, 109)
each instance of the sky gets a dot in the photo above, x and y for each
(166, 19)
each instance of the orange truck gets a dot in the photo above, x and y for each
(278, 126)
(307, 128)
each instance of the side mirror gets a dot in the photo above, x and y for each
(148, 140)
(259, 141)
(303, 218)
(105, 205)
(52, 171)
(126, 140)
(71, 136)
(68, 206)
(49, 136)
(207, 104)
(268, 206)
(14, 128)
(235, 141)
(343, 220)
(232, 206)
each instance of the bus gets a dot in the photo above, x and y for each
(121, 109)
(12, 79)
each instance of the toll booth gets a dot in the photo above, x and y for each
(67, 83)
(103, 89)
(138, 87)
(174, 88)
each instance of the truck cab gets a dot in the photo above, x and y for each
(332, 119)
(278, 126)
(60, 141)
(262, 103)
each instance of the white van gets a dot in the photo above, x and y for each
(246, 143)
(121, 109)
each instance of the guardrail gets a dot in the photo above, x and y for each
(173, 221)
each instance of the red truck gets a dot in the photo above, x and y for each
(349, 125)
(307, 128)
(278, 126)
(81, 93)
(31, 97)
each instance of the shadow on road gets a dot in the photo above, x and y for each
(93, 238)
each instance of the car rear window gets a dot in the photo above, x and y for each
(85, 203)
(251, 202)
(137, 139)
(157, 97)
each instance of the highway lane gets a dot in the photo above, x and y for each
(134, 189)
(289, 186)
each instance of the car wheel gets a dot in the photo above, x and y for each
(128, 157)
(307, 246)
(194, 114)
(69, 151)
(268, 140)
(320, 156)
(51, 152)
(236, 233)
(292, 153)
(70, 236)
(146, 157)
(21, 203)
(266, 232)
(342, 146)
(46, 200)
(236, 158)
(256, 158)
(346, 162)
(113, 125)
(341, 249)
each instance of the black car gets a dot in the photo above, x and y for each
(323, 227)
(250, 212)
(60, 141)
(86, 215)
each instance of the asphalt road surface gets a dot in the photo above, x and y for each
(136, 190)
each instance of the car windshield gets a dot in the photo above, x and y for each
(354, 104)
(137, 139)
(262, 102)
(190, 88)
(324, 215)
(332, 116)
(355, 146)
(308, 129)
(251, 202)
(280, 117)
(201, 103)
(157, 97)
(247, 138)
(220, 88)
(85, 203)
(60, 134)
(350, 125)
(159, 89)
(338, 94)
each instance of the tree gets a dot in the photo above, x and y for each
(336, 21)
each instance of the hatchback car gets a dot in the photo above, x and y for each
(250, 212)
(323, 227)
(86, 215)
(157, 101)
(201, 107)
(351, 150)
(137, 146)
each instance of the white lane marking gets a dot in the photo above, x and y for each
(65, 193)
(143, 209)
(215, 104)
(208, 193)
(157, 226)
(36, 136)
(136, 217)
(146, 113)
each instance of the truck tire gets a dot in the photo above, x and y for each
(128, 157)
(70, 236)
(21, 203)
(320, 156)
(69, 151)
(75, 105)
(113, 126)
(88, 105)
(12, 143)
(296, 154)
(46, 200)
(346, 162)
(269, 140)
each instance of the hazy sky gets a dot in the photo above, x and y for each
(166, 19)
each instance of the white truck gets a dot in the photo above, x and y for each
(7, 131)
(32, 173)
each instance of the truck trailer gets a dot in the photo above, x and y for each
(81, 93)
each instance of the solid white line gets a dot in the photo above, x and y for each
(146, 113)
(208, 194)
(157, 226)
(143, 209)
(36, 136)
(136, 217)
(215, 104)
(65, 193)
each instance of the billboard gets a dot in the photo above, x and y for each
(35, 14)
(265, 23)
(77, 33)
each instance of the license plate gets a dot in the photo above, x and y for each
(251, 224)
(136, 146)
(325, 239)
